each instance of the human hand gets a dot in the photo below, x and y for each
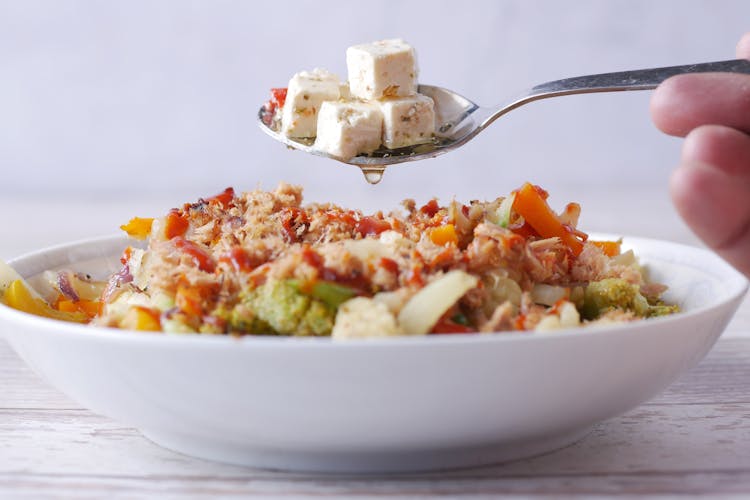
(711, 186)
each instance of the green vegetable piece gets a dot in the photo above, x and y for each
(332, 294)
(504, 210)
(279, 307)
(662, 310)
(318, 320)
(612, 293)
(242, 319)
(460, 319)
(279, 304)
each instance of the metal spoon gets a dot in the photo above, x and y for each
(458, 120)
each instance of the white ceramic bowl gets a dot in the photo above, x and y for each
(400, 404)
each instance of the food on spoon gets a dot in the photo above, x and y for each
(382, 83)
(263, 263)
(377, 70)
(407, 121)
(346, 129)
(306, 92)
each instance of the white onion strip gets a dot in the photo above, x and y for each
(425, 308)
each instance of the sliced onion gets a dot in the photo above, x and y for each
(367, 249)
(8, 275)
(420, 314)
(548, 295)
(500, 289)
(504, 210)
(74, 286)
(624, 259)
(394, 300)
(66, 287)
(456, 214)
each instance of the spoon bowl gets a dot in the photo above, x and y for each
(458, 119)
(455, 124)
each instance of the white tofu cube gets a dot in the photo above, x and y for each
(408, 121)
(387, 68)
(346, 129)
(344, 93)
(306, 92)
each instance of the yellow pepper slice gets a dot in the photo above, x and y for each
(18, 296)
(138, 227)
(142, 319)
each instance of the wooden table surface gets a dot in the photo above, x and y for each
(693, 439)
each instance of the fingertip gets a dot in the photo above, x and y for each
(743, 47)
(684, 102)
(663, 105)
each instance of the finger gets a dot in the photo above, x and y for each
(743, 48)
(716, 208)
(724, 148)
(684, 102)
(715, 202)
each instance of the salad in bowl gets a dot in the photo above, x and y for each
(265, 263)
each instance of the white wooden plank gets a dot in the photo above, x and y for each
(22, 388)
(711, 484)
(739, 326)
(722, 377)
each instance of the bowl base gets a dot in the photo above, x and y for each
(360, 461)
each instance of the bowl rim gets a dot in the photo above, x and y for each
(737, 287)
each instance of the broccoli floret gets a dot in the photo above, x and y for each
(318, 320)
(662, 309)
(278, 307)
(243, 319)
(613, 293)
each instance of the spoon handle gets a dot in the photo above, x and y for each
(642, 79)
(639, 79)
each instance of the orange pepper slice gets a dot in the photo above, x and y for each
(142, 319)
(610, 248)
(444, 235)
(88, 307)
(189, 300)
(532, 206)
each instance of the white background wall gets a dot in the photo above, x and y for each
(158, 98)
